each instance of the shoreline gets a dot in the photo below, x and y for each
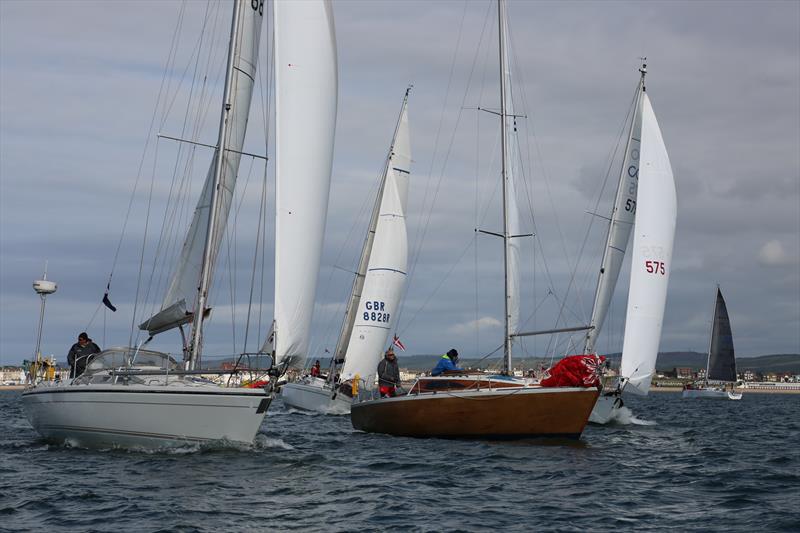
(743, 390)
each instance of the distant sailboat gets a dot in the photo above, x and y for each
(645, 196)
(721, 363)
(132, 397)
(376, 293)
(476, 405)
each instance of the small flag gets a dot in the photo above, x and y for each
(327, 350)
(106, 301)
(399, 344)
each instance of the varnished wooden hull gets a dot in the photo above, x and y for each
(520, 412)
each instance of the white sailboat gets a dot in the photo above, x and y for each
(131, 397)
(655, 211)
(476, 405)
(721, 362)
(376, 293)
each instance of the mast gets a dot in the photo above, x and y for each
(501, 15)
(621, 222)
(366, 251)
(206, 265)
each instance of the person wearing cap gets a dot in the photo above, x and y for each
(446, 363)
(388, 374)
(80, 353)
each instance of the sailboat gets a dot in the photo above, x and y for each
(375, 295)
(134, 397)
(721, 363)
(475, 405)
(646, 199)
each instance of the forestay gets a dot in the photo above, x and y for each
(385, 277)
(721, 358)
(651, 257)
(306, 100)
(180, 301)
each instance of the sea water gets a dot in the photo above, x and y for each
(667, 464)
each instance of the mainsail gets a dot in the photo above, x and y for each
(512, 174)
(721, 360)
(378, 289)
(620, 225)
(651, 257)
(180, 302)
(305, 100)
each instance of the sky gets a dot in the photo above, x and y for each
(79, 83)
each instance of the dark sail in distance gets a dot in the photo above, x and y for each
(721, 360)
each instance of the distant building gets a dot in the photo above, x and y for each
(750, 375)
(701, 374)
(683, 372)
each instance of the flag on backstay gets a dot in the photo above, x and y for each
(106, 301)
(399, 344)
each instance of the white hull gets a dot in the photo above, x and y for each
(606, 409)
(314, 395)
(144, 416)
(712, 393)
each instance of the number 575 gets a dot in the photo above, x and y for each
(655, 267)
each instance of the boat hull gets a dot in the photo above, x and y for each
(513, 413)
(711, 394)
(606, 409)
(144, 416)
(315, 396)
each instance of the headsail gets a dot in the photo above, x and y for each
(621, 223)
(651, 257)
(386, 253)
(180, 301)
(305, 100)
(721, 359)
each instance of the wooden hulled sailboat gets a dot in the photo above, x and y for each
(132, 397)
(482, 405)
(376, 293)
(721, 363)
(645, 198)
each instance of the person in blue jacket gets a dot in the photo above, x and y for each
(447, 362)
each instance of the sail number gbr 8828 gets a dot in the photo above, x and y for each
(376, 312)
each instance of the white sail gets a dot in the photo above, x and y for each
(180, 301)
(306, 100)
(385, 276)
(651, 257)
(619, 228)
(512, 208)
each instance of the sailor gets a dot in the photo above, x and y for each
(80, 354)
(315, 370)
(388, 374)
(448, 361)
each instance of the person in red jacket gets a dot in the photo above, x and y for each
(315, 371)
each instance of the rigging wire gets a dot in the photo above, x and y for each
(421, 239)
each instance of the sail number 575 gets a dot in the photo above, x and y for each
(655, 267)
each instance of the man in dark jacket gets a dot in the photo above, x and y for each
(388, 374)
(448, 362)
(80, 354)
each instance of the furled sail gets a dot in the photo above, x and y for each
(180, 301)
(721, 359)
(305, 100)
(651, 257)
(512, 209)
(619, 228)
(387, 262)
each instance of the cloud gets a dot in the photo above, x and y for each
(470, 326)
(772, 254)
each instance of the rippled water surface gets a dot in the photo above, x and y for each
(680, 464)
